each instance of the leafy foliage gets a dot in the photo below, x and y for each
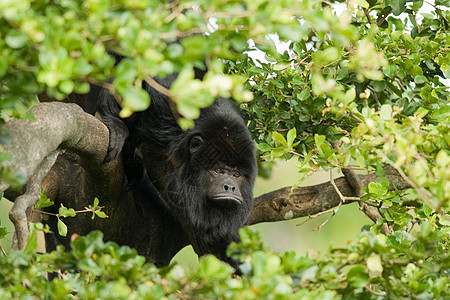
(64, 212)
(361, 85)
(367, 268)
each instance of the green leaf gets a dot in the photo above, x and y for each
(185, 124)
(310, 273)
(279, 138)
(88, 265)
(264, 147)
(291, 135)
(386, 112)
(304, 94)
(419, 79)
(363, 3)
(278, 152)
(66, 86)
(421, 112)
(374, 264)
(325, 57)
(44, 201)
(175, 50)
(427, 210)
(379, 86)
(96, 202)
(256, 70)
(342, 73)
(349, 96)
(239, 42)
(101, 214)
(373, 188)
(16, 39)
(31, 242)
(358, 277)
(319, 140)
(62, 228)
(66, 212)
(389, 70)
(211, 267)
(135, 98)
(3, 231)
(325, 150)
(361, 160)
(440, 114)
(398, 6)
(383, 185)
(125, 72)
(444, 220)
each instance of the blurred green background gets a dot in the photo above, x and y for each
(279, 236)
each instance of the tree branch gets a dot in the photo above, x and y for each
(18, 213)
(355, 182)
(56, 126)
(289, 203)
(370, 211)
(35, 145)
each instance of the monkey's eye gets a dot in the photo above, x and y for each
(218, 171)
(195, 143)
(237, 174)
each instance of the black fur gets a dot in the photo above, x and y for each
(162, 167)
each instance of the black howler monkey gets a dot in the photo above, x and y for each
(203, 177)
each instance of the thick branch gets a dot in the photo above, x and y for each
(18, 213)
(36, 144)
(56, 126)
(287, 203)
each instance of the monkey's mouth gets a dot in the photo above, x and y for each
(226, 200)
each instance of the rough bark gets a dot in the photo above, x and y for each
(60, 127)
(36, 144)
(290, 203)
(57, 126)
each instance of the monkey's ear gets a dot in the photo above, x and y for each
(175, 160)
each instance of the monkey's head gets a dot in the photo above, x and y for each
(211, 188)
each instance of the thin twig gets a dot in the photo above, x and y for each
(108, 86)
(443, 49)
(381, 21)
(3, 251)
(179, 34)
(160, 88)
(342, 197)
(374, 95)
(400, 83)
(366, 12)
(85, 210)
(335, 210)
(296, 153)
(381, 294)
(165, 91)
(286, 96)
(310, 217)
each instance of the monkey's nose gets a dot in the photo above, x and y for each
(229, 187)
